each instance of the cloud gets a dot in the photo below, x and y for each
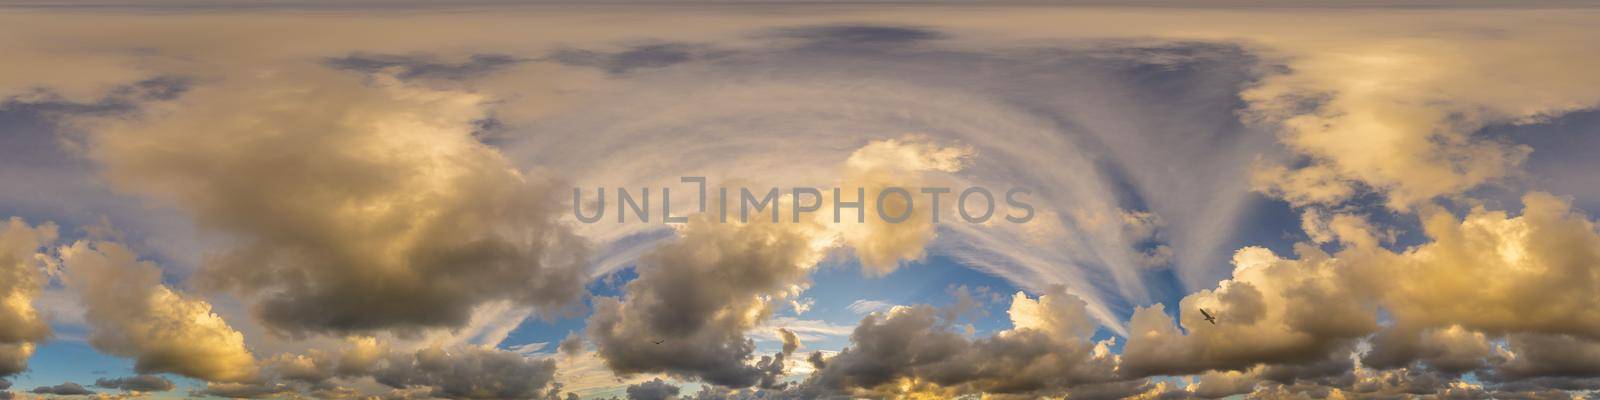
(423, 66)
(1527, 356)
(1482, 276)
(913, 350)
(647, 56)
(881, 245)
(1368, 103)
(730, 102)
(370, 207)
(132, 314)
(22, 277)
(1390, 113)
(861, 37)
(701, 324)
(655, 389)
(469, 373)
(790, 341)
(1486, 271)
(1272, 311)
(572, 345)
(243, 390)
(64, 389)
(453, 372)
(357, 356)
(866, 306)
(137, 383)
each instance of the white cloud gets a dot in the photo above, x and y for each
(866, 306)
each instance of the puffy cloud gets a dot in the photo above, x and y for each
(913, 350)
(136, 383)
(791, 342)
(572, 345)
(64, 389)
(132, 314)
(1453, 349)
(469, 373)
(1272, 311)
(1527, 356)
(369, 204)
(243, 390)
(22, 277)
(655, 389)
(436, 371)
(879, 244)
(1494, 273)
(701, 324)
(358, 356)
(1482, 276)
(700, 293)
(1390, 112)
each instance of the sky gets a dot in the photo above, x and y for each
(387, 200)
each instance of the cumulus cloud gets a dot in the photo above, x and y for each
(879, 244)
(132, 314)
(369, 204)
(911, 351)
(1495, 273)
(243, 390)
(700, 322)
(1528, 356)
(64, 389)
(1272, 311)
(673, 319)
(357, 356)
(136, 383)
(655, 389)
(22, 277)
(453, 372)
(1482, 276)
(470, 372)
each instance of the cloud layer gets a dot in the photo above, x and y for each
(350, 206)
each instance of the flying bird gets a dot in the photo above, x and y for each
(1209, 318)
(658, 341)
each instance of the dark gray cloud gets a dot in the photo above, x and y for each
(120, 100)
(655, 389)
(64, 389)
(857, 37)
(695, 298)
(572, 345)
(1047, 353)
(423, 66)
(140, 383)
(470, 373)
(458, 372)
(645, 56)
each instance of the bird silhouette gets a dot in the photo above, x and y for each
(1209, 318)
(658, 341)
